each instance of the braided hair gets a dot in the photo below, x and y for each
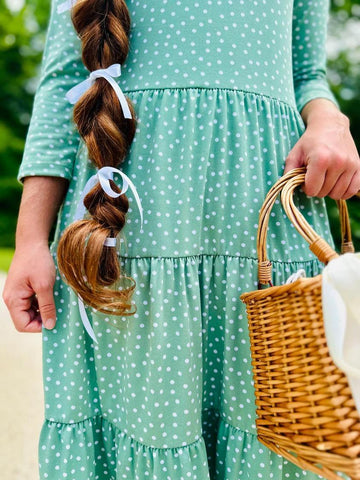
(88, 266)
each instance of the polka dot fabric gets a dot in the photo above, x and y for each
(168, 393)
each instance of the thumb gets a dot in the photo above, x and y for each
(46, 304)
(294, 159)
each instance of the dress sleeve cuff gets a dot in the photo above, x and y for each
(309, 91)
(46, 168)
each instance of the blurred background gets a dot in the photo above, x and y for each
(22, 35)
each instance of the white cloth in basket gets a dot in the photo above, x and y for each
(341, 311)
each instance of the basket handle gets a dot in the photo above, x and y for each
(286, 186)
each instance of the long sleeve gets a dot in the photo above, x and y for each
(310, 18)
(52, 140)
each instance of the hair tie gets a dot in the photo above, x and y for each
(109, 74)
(110, 242)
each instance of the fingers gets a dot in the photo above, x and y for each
(23, 313)
(329, 154)
(24, 324)
(294, 159)
(45, 298)
(351, 190)
(28, 291)
(331, 174)
(28, 310)
(331, 182)
(314, 178)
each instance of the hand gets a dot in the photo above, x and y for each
(28, 291)
(328, 151)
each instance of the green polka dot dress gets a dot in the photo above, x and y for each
(217, 87)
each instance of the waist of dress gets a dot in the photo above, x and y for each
(129, 88)
(129, 85)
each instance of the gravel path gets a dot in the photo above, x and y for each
(21, 399)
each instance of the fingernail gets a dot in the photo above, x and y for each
(49, 323)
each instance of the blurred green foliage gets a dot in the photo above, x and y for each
(21, 44)
(6, 255)
(22, 37)
(344, 77)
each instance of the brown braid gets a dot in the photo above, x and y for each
(88, 266)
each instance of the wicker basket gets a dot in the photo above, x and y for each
(305, 410)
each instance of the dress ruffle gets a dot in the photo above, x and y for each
(240, 455)
(95, 449)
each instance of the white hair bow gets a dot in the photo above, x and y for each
(109, 74)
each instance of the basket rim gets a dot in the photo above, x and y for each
(285, 186)
(291, 446)
(278, 290)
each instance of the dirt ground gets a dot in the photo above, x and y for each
(21, 399)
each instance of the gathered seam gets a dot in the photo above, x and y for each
(101, 418)
(224, 89)
(217, 255)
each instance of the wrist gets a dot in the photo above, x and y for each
(329, 118)
(40, 202)
(29, 244)
(322, 111)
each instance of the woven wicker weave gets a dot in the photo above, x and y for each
(304, 405)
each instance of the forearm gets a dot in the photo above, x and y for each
(40, 202)
(321, 110)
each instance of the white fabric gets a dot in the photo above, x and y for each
(295, 276)
(341, 310)
(109, 74)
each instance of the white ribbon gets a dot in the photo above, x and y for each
(103, 176)
(109, 74)
(63, 7)
(85, 320)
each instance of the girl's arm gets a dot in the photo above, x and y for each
(28, 291)
(326, 148)
(46, 168)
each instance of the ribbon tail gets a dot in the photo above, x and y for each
(137, 198)
(85, 320)
(80, 211)
(121, 96)
(75, 93)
